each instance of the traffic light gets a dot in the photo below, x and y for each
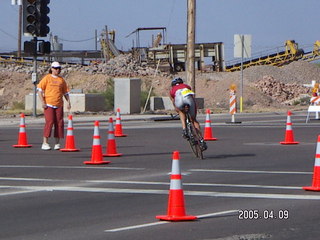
(35, 18)
(30, 47)
(44, 47)
(43, 11)
(29, 17)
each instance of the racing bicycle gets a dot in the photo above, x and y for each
(193, 135)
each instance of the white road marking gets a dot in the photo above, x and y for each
(152, 183)
(71, 167)
(164, 222)
(246, 171)
(136, 226)
(273, 144)
(17, 192)
(226, 213)
(32, 179)
(198, 184)
(154, 191)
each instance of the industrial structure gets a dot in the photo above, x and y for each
(280, 58)
(170, 56)
(175, 55)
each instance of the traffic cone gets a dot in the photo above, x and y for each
(111, 143)
(316, 170)
(208, 136)
(70, 142)
(176, 209)
(96, 155)
(118, 127)
(22, 138)
(289, 137)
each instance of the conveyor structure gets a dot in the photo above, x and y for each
(290, 54)
(314, 54)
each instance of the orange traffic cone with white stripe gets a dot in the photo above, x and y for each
(208, 136)
(22, 138)
(111, 143)
(176, 209)
(118, 127)
(316, 171)
(289, 137)
(96, 155)
(70, 142)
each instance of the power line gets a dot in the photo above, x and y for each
(84, 40)
(8, 34)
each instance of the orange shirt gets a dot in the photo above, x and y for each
(54, 88)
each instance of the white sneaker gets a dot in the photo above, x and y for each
(57, 146)
(45, 146)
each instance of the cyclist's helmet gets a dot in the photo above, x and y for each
(176, 81)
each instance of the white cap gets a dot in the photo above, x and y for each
(55, 65)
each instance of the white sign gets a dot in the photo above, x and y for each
(242, 46)
(34, 77)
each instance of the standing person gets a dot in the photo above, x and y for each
(181, 95)
(52, 88)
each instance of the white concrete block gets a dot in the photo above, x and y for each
(80, 102)
(127, 93)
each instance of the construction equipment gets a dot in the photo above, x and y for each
(314, 54)
(290, 54)
(108, 47)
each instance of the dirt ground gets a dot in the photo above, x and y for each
(212, 86)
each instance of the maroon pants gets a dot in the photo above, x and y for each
(53, 117)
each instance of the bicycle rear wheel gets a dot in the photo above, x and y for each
(194, 139)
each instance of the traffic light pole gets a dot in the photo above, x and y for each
(35, 80)
(35, 23)
(19, 31)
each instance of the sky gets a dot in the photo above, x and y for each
(269, 22)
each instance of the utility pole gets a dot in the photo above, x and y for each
(191, 23)
(19, 3)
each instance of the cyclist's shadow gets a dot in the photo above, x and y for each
(225, 156)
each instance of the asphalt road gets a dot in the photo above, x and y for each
(248, 186)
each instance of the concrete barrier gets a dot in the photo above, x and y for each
(127, 93)
(161, 103)
(80, 102)
(164, 103)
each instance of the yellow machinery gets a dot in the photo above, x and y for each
(108, 47)
(314, 54)
(290, 54)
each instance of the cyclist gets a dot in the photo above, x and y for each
(182, 95)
